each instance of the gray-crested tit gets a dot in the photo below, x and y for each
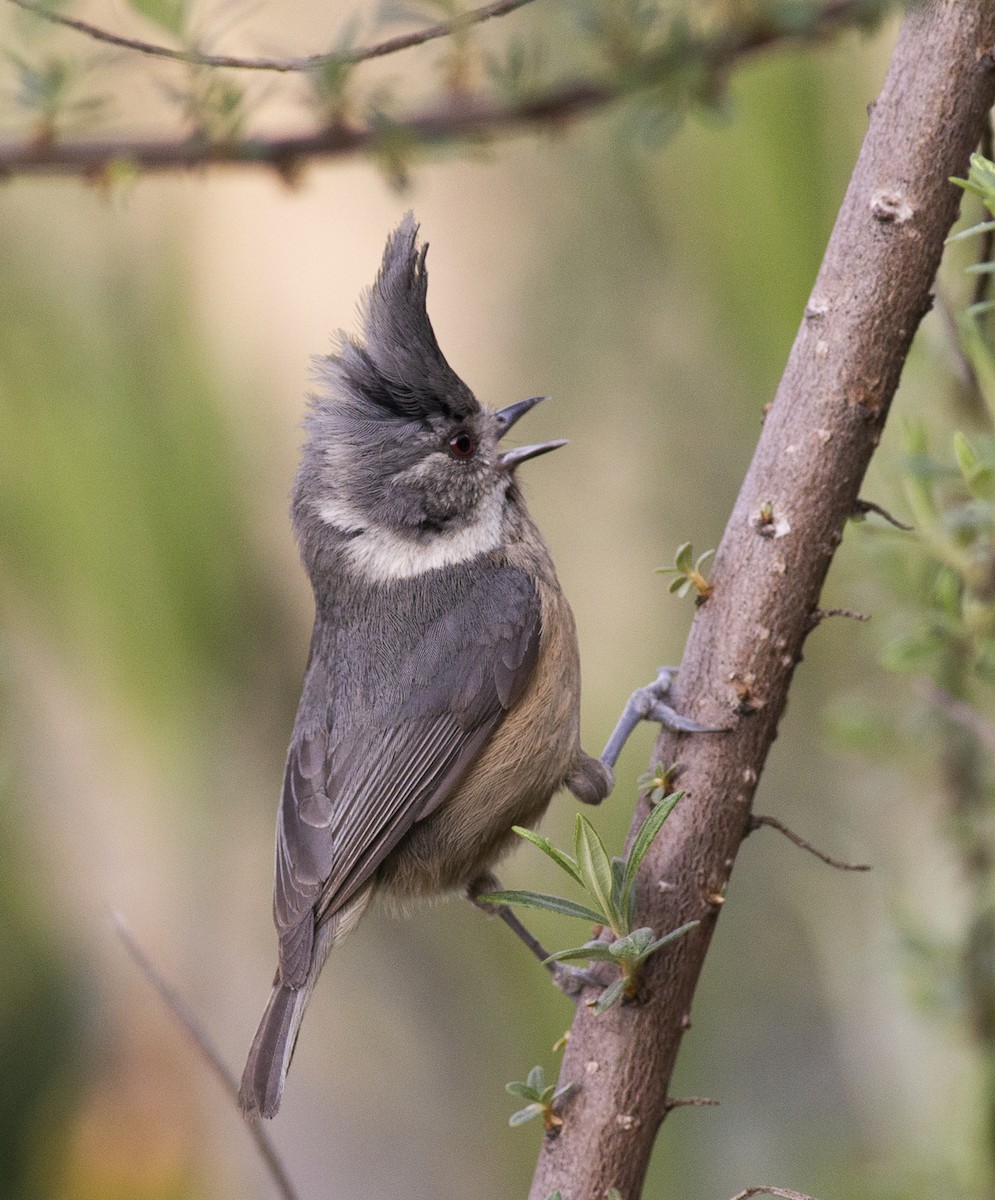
(441, 700)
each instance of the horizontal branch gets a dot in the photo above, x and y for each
(465, 118)
(307, 62)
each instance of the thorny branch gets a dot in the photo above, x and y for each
(307, 62)
(872, 291)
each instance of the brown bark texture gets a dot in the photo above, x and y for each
(870, 294)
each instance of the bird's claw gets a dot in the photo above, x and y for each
(652, 706)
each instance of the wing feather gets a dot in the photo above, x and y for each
(353, 786)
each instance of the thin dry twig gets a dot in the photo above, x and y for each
(184, 1015)
(307, 62)
(761, 819)
(784, 1193)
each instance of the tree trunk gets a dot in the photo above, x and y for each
(871, 292)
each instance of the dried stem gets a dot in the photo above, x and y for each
(190, 1025)
(307, 62)
(871, 292)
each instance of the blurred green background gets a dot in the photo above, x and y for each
(154, 353)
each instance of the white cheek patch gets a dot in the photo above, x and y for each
(381, 554)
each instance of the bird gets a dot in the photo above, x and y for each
(440, 705)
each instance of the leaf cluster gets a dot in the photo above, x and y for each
(609, 884)
(687, 572)
(542, 1099)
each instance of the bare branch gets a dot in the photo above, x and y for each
(758, 821)
(784, 1193)
(190, 1025)
(468, 118)
(307, 62)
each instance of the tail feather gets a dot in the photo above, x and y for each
(272, 1050)
(273, 1046)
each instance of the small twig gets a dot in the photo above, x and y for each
(758, 820)
(308, 62)
(784, 1193)
(691, 1102)
(195, 1032)
(862, 507)
(959, 711)
(820, 614)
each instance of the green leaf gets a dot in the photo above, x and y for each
(521, 1090)
(594, 951)
(596, 867)
(557, 904)
(911, 653)
(551, 851)
(682, 559)
(167, 14)
(555, 1195)
(644, 839)
(674, 934)
(612, 993)
(980, 479)
(525, 1114)
(967, 460)
(974, 231)
(562, 1092)
(536, 1079)
(619, 897)
(626, 949)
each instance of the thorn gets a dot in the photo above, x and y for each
(757, 821)
(784, 1193)
(818, 615)
(862, 507)
(689, 1102)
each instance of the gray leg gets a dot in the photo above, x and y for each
(648, 704)
(567, 979)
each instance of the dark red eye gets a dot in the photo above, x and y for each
(462, 445)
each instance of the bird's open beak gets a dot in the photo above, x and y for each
(506, 417)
